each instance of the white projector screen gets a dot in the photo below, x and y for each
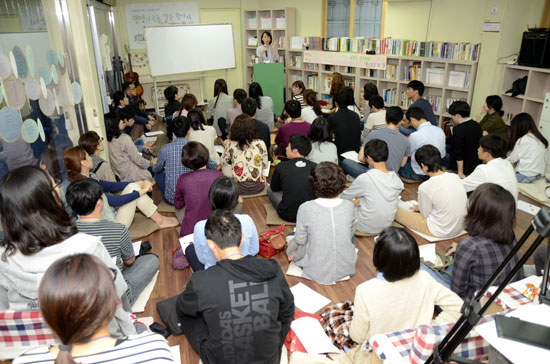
(189, 48)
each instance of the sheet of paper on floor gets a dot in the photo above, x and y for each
(427, 251)
(176, 354)
(141, 302)
(307, 299)
(153, 133)
(521, 285)
(185, 241)
(312, 336)
(136, 245)
(527, 207)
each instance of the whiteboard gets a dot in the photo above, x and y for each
(189, 48)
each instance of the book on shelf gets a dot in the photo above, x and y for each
(295, 77)
(457, 79)
(252, 41)
(312, 82)
(434, 101)
(295, 61)
(252, 24)
(297, 42)
(390, 96)
(435, 76)
(282, 59)
(391, 72)
(405, 101)
(450, 102)
(281, 42)
(265, 22)
(327, 83)
(280, 22)
(412, 72)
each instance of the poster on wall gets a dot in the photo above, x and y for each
(140, 15)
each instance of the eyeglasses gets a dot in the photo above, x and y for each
(115, 272)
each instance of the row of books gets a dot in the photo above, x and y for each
(390, 96)
(295, 61)
(412, 72)
(312, 82)
(341, 69)
(390, 46)
(253, 41)
(450, 102)
(327, 82)
(266, 22)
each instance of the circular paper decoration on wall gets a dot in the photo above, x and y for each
(61, 59)
(46, 74)
(13, 65)
(54, 75)
(5, 66)
(51, 57)
(77, 92)
(29, 131)
(10, 124)
(32, 87)
(30, 60)
(47, 104)
(41, 130)
(43, 87)
(16, 96)
(20, 62)
(1, 94)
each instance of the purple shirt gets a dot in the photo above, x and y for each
(285, 131)
(192, 193)
(232, 114)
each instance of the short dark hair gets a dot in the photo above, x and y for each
(320, 130)
(223, 228)
(170, 93)
(299, 84)
(301, 143)
(415, 113)
(293, 108)
(327, 180)
(89, 141)
(394, 115)
(126, 113)
(117, 97)
(369, 90)
(249, 106)
(376, 149)
(376, 101)
(341, 99)
(495, 145)
(494, 102)
(180, 126)
(396, 254)
(239, 94)
(82, 195)
(461, 108)
(243, 131)
(223, 193)
(112, 122)
(417, 86)
(429, 156)
(126, 85)
(491, 214)
(194, 155)
(270, 37)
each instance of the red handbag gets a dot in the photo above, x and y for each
(272, 242)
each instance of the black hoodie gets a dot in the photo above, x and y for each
(238, 311)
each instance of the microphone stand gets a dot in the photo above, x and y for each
(472, 310)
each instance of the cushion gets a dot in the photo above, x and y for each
(165, 207)
(535, 190)
(142, 226)
(263, 193)
(272, 217)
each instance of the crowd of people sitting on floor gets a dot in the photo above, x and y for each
(66, 247)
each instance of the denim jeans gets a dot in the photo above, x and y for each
(444, 279)
(160, 178)
(526, 179)
(352, 168)
(408, 172)
(191, 255)
(406, 131)
(139, 274)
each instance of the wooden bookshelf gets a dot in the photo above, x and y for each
(538, 85)
(255, 22)
(399, 72)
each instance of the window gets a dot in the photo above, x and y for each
(366, 14)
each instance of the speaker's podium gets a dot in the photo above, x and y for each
(272, 79)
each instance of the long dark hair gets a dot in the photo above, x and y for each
(219, 86)
(243, 131)
(31, 212)
(522, 124)
(188, 101)
(112, 125)
(320, 131)
(73, 157)
(223, 193)
(80, 287)
(336, 83)
(255, 91)
(196, 119)
(491, 214)
(118, 96)
(310, 97)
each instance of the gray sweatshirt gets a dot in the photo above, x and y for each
(378, 193)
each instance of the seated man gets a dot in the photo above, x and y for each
(415, 90)
(398, 145)
(296, 125)
(142, 117)
(168, 167)
(240, 310)
(464, 141)
(378, 190)
(345, 124)
(495, 169)
(441, 202)
(85, 198)
(289, 184)
(238, 97)
(426, 133)
(249, 107)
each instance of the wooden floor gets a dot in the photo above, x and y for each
(171, 282)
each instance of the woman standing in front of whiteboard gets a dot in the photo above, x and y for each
(218, 106)
(267, 52)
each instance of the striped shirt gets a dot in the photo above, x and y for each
(300, 99)
(146, 347)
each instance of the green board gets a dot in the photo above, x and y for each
(271, 77)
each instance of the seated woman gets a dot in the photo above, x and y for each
(490, 226)
(298, 89)
(400, 297)
(188, 102)
(325, 228)
(264, 112)
(223, 195)
(81, 287)
(38, 231)
(492, 122)
(528, 148)
(127, 162)
(132, 195)
(171, 93)
(312, 110)
(219, 104)
(322, 147)
(120, 101)
(191, 198)
(93, 145)
(202, 133)
(245, 156)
